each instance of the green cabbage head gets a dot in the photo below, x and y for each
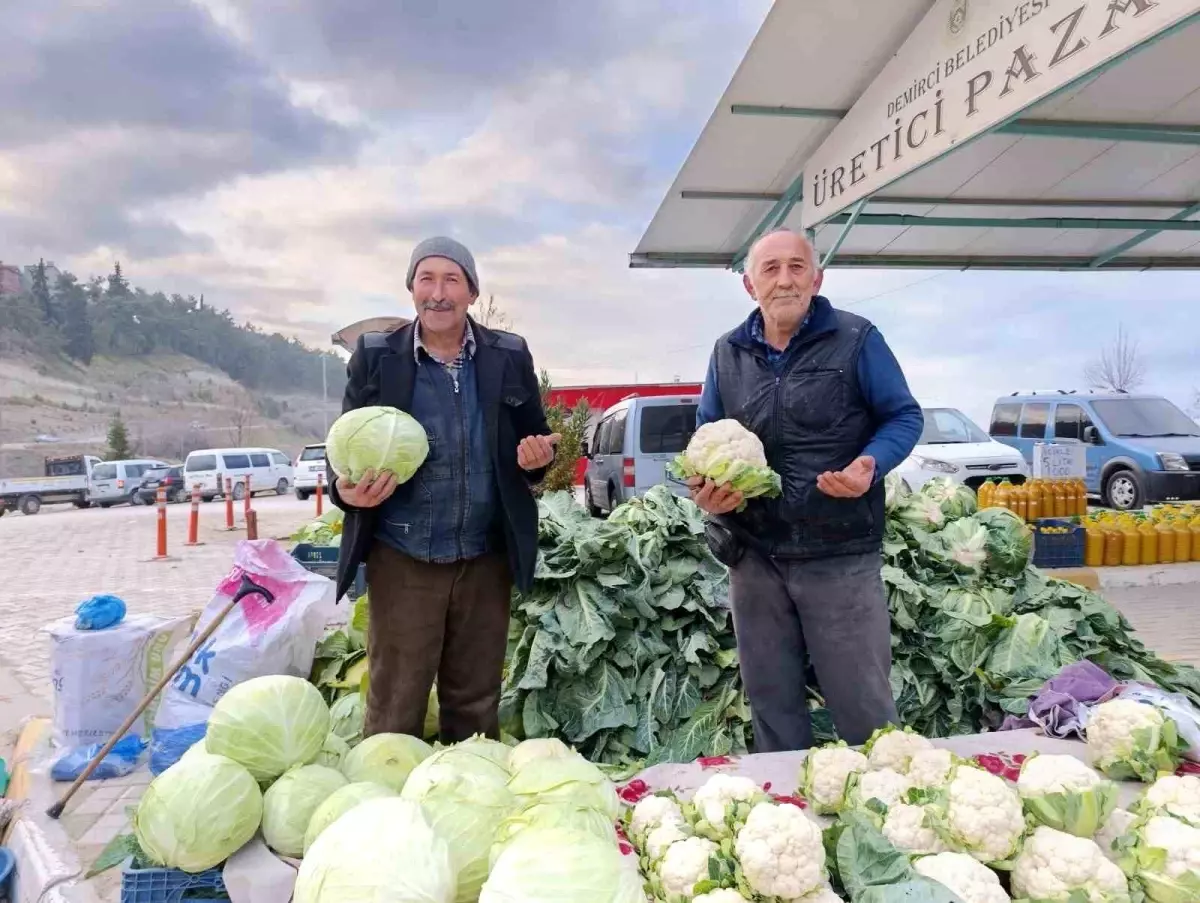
(537, 748)
(550, 865)
(289, 804)
(379, 439)
(724, 451)
(554, 816)
(1009, 541)
(198, 812)
(465, 797)
(381, 850)
(954, 498)
(386, 759)
(347, 715)
(568, 779)
(269, 724)
(333, 751)
(339, 803)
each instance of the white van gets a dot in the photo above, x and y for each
(310, 463)
(269, 470)
(634, 442)
(951, 445)
(117, 482)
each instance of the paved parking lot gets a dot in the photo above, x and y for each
(54, 560)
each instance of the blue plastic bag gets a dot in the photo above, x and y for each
(99, 612)
(120, 761)
(170, 745)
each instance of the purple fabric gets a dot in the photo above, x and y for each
(1059, 704)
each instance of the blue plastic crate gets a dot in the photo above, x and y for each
(171, 886)
(1058, 550)
(323, 560)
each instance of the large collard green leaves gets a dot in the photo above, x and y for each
(624, 648)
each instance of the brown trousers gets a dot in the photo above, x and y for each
(448, 621)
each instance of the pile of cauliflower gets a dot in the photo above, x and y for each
(1054, 835)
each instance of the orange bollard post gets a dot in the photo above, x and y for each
(161, 547)
(246, 498)
(252, 524)
(194, 518)
(229, 503)
(320, 500)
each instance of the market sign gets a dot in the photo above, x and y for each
(968, 66)
(1059, 460)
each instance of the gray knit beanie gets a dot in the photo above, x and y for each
(441, 246)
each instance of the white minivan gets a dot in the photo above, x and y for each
(951, 445)
(269, 470)
(117, 482)
(310, 463)
(633, 444)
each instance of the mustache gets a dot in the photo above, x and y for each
(437, 306)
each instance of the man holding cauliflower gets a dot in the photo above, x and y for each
(829, 411)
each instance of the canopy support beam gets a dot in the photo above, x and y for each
(775, 217)
(906, 220)
(689, 194)
(657, 259)
(850, 221)
(1114, 252)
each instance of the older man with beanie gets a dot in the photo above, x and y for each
(822, 390)
(444, 549)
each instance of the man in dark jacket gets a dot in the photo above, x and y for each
(444, 549)
(824, 393)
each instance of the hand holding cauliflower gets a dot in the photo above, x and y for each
(725, 453)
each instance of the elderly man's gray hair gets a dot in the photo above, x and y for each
(812, 249)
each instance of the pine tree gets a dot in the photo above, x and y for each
(118, 439)
(77, 319)
(572, 426)
(118, 285)
(41, 293)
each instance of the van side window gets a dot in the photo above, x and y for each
(280, 459)
(666, 429)
(1033, 421)
(601, 443)
(1069, 422)
(133, 471)
(236, 462)
(201, 462)
(616, 437)
(104, 472)
(260, 461)
(1004, 419)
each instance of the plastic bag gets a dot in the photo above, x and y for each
(120, 761)
(1175, 706)
(256, 638)
(100, 676)
(99, 613)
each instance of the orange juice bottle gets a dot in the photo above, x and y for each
(1166, 542)
(1033, 503)
(1047, 506)
(1003, 494)
(1019, 502)
(1149, 554)
(1079, 496)
(1093, 555)
(1131, 554)
(1060, 499)
(1183, 540)
(1194, 527)
(1114, 546)
(985, 493)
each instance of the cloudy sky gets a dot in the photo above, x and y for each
(283, 156)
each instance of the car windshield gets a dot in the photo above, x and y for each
(948, 426)
(313, 453)
(1144, 418)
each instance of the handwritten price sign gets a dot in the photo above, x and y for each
(1059, 461)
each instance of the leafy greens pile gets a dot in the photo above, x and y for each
(975, 631)
(326, 530)
(624, 648)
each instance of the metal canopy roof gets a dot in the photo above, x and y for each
(1103, 174)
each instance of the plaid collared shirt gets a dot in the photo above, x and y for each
(758, 334)
(453, 367)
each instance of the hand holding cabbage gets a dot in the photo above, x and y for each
(373, 450)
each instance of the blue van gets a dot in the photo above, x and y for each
(1141, 449)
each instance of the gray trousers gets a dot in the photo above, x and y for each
(832, 610)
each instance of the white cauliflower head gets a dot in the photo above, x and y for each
(891, 747)
(1176, 796)
(885, 785)
(984, 813)
(1168, 860)
(781, 852)
(930, 768)
(969, 880)
(1055, 774)
(724, 451)
(1053, 865)
(908, 830)
(684, 865)
(1063, 793)
(652, 811)
(826, 771)
(658, 840)
(823, 894)
(1117, 826)
(717, 800)
(721, 895)
(1128, 739)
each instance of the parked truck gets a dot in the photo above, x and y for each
(65, 481)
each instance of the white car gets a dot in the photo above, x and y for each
(953, 446)
(310, 463)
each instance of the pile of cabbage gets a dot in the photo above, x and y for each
(901, 821)
(976, 631)
(479, 820)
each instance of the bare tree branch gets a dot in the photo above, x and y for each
(1119, 368)
(490, 314)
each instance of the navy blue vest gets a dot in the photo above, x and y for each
(449, 513)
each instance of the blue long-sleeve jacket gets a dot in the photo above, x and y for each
(898, 417)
